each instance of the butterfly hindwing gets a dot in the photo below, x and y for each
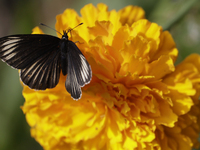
(37, 56)
(79, 71)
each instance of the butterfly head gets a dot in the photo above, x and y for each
(65, 36)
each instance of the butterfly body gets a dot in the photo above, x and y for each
(42, 57)
(64, 50)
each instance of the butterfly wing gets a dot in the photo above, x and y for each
(37, 56)
(44, 73)
(79, 71)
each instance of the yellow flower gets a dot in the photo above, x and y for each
(137, 98)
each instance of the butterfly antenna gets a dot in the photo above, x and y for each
(74, 27)
(50, 28)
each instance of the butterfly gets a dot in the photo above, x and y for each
(41, 58)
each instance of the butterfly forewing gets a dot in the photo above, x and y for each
(71, 83)
(81, 66)
(20, 51)
(38, 57)
(79, 71)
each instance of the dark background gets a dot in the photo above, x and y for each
(180, 17)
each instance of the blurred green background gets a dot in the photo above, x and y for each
(180, 17)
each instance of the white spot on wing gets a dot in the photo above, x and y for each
(9, 47)
(7, 50)
(83, 64)
(85, 70)
(31, 67)
(10, 56)
(14, 40)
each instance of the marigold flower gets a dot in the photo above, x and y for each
(137, 98)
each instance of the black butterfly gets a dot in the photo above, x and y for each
(42, 57)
